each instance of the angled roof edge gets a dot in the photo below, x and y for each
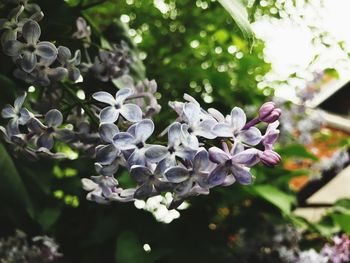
(327, 91)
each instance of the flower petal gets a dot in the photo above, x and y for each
(131, 112)
(248, 157)
(64, 55)
(124, 141)
(201, 161)
(205, 129)
(20, 100)
(156, 153)
(174, 134)
(45, 141)
(242, 175)
(123, 94)
(144, 191)
(8, 112)
(191, 112)
(140, 173)
(46, 50)
(104, 97)
(252, 136)
(238, 119)
(218, 175)
(106, 154)
(31, 32)
(144, 130)
(13, 48)
(176, 174)
(107, 131)
(35, 125)
(217, 155)
(29, 61)
(109, 114)
(223, 130)
(53, 118)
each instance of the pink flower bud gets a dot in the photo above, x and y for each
(269, 158)
(269, 113)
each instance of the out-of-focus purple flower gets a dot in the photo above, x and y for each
(233, 128)
(339, 252)
(237, 162)
(130, 112)
(83, 29)
(16, 114)
(269, 158)
(269, 112)
(135, 140)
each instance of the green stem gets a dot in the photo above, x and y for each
(80, 103)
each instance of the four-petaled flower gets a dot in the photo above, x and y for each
(192, 180)
(16, 114)
(53, 119)
(237, 162)
(233, 128)
(28, 52)
(134, 140)
(130, 112)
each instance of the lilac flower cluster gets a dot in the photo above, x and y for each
(183, 165)
(38, 62)
(117, 131)
(17, 248)
(339, 251)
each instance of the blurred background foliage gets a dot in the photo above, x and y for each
(187, 46)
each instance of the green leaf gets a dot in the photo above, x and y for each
(239, 13)
(342, 221)
(12, 188)
(48, 217)
(276, 197)
(296, 150)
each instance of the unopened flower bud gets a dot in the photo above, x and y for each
(269, 158)
(269, 113)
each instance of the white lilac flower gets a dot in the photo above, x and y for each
(150, 182)
(192, 180)
(233, 127)
(43, 74)
(27, 53)
(135, 140)
(107, 153)
(11, 25)
(197, 123)
(168, 154)
(19, 145)
(65, 58)
(104, 189)
(271, 135)
(47, 133)
(16, 114)
(130, 112)
(237, 162)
